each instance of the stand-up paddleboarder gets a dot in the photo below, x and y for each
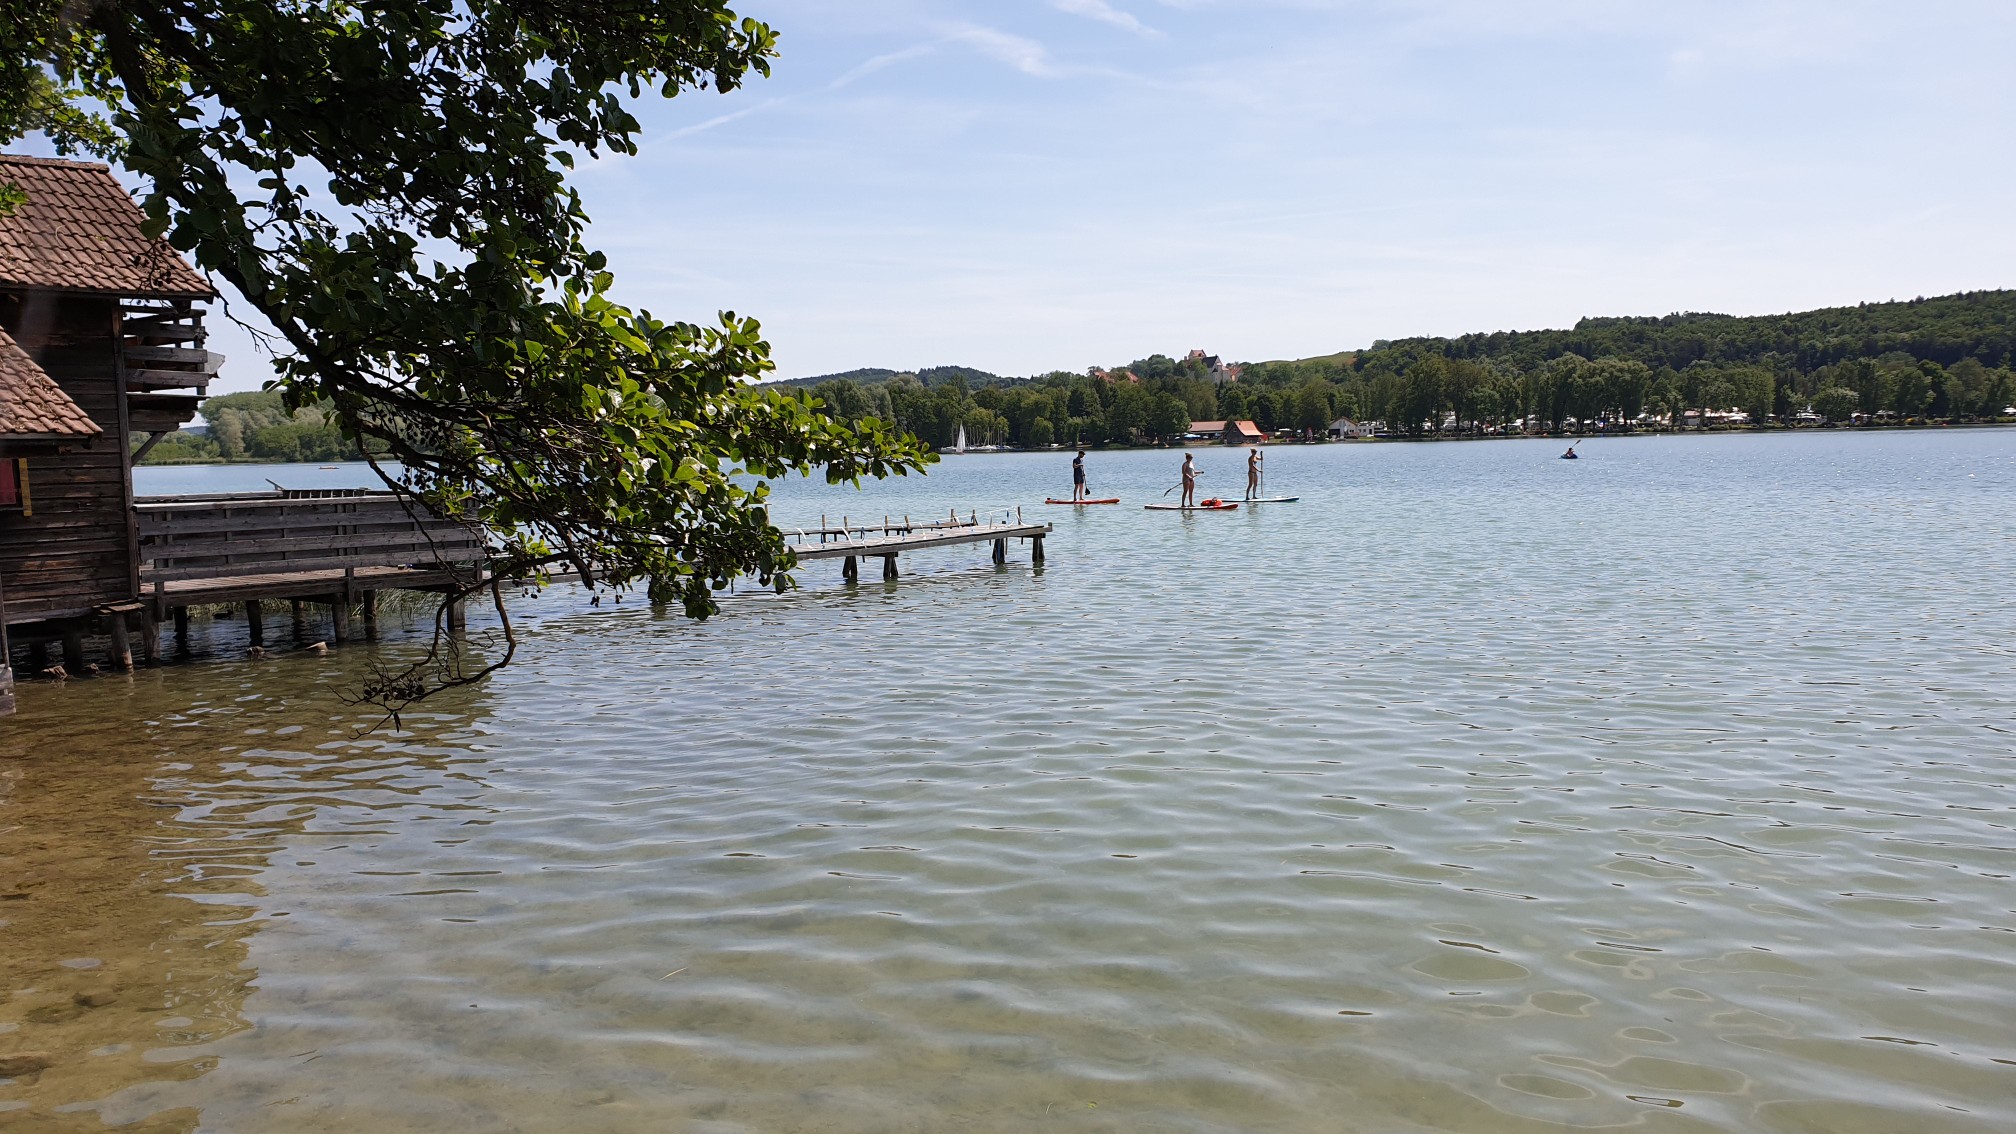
(1078, 476)
(1189, 480)
(1253, 459)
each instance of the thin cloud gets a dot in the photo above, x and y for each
(1105, 13)
(880, 61)
(1025, 55)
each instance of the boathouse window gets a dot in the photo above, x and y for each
(14, 486)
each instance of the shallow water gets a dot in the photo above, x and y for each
(1668, 789)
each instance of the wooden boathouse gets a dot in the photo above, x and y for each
(101, 355)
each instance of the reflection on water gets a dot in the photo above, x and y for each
(1465, 797)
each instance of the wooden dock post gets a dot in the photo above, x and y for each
(339, 619)
(255, 622)
(889, 568)
(300, 619)
(1000, 551)
(122, 646)
(73, 650)
(458, 616)
(370, 602)
(1036, 550)
(181, 627)
(150, 637)
(850, 570)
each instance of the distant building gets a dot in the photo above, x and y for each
(1344, 429)
(1218, 369)
(1228, 432)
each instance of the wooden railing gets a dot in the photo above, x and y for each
(227, 535)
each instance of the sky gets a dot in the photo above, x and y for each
(1032, 185)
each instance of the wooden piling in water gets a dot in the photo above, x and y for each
(339, 619)
(850, 570)
(370, 602)
(150, 637)
(458, 616)
(255, 622)
(1000, 551)
(122, 647)
(1036, 550)
(73, 650)
(889, 568)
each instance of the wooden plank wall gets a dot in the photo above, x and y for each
(75, 552)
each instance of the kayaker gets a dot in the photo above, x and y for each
(1189, 480)
(1078, 476)
(1570, 454)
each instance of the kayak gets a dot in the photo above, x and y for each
(1113, 500)
(1270, 500)
(1219, 507)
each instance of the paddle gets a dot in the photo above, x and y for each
(1174, 487)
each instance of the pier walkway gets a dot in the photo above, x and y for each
(893, 537)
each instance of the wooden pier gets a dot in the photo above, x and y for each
(852, 543)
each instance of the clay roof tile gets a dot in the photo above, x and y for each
(31, 403)
(80, 231)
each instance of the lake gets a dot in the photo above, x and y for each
(1477, 792)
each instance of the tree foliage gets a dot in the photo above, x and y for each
(386, 184)
(1932, 359)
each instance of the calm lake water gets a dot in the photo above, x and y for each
(1479, 791)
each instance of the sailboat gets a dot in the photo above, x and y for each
(959, 446)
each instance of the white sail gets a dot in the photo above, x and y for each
(960, 445)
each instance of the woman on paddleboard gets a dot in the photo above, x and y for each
(1078, 476)
(1253, 459)
(1189, 480)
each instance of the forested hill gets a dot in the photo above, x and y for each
(1943, 359)
(1980, 325)
(929, 376)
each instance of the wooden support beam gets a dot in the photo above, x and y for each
(150, 637)
(1036, 549)
(1000, 551)
(370, 602)
(298, 609)
(458, 617)
(73, 650)
(850, 570)
(122, 646)
(182, 627)
(339, 619)
(38, 658)
(255, 622)
(888, 568)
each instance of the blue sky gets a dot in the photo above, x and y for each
(1026, 185)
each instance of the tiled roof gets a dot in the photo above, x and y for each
(80, 231)
(1247, 429)
(31, 404)
(1207, 427)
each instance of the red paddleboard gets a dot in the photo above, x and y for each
(1114, 500)
(1207, 506)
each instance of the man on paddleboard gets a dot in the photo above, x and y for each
(1253, 459)
(1078, 476)
(1189, 480)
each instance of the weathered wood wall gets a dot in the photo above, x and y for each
(76, 551)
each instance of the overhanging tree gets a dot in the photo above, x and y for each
(385, 182)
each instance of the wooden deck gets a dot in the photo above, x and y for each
(300, 584)
(334, 546)
(851, 544)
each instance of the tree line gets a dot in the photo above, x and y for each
(1944, 359)
(256, 426)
